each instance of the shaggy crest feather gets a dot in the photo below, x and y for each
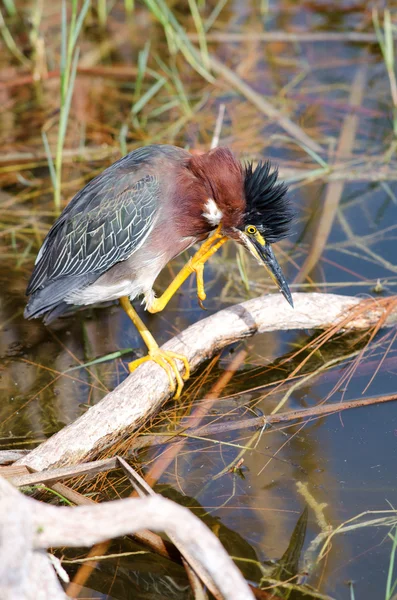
(267, 205)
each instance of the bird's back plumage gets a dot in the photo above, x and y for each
(105, 223)
(125, 225)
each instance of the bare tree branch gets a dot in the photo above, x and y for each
(145, 390)
(27, 527)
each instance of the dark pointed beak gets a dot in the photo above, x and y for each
(265, 255)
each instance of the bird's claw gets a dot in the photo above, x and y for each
(166, 359)
(201, 295)
(201, 305)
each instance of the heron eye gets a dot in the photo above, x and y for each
(251, 229)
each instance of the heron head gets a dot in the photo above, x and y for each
(266, 219)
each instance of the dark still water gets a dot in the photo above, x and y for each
(251, 487)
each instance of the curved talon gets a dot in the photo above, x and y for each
(183, 358)
(201, 305)
(179, 381)
(166, 360)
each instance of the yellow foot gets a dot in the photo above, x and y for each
(166, 359)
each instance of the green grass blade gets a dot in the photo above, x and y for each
(123, 139)
(142, 64)
(80, 21)
(152, 91)
(167, 19)
(10, 43)
(68, 100)
(129, 6)
(316, 157)
(242, 267)
(51, 166)
(389, 43)
(164, 108)
(55, 493)
(102, 12)
(172, 72)
(389, 584)
(188, 50)
(160, 16)
(214, 15)
(10, 8)
(200, 31)
(351, 586)
(64, 35)
(102, 359)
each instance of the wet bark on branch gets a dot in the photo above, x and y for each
(146, 389)
(29, 527)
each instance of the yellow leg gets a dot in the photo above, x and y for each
(164, 358)
(201, 295)
(195, 265)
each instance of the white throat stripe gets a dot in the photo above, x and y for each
(212, 212)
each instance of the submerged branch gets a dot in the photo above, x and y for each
(34, 526)
(141, 395)
(290, 416)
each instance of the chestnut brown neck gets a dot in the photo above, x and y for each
(215, 175)
(222, 176)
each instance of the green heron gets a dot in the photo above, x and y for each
(124, 226)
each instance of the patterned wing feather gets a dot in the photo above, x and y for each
(104, 224)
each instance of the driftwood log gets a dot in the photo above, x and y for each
(145, 390)
(29, 527)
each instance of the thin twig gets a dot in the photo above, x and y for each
(288, 37)
(322, 410)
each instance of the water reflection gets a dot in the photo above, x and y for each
(348, 459)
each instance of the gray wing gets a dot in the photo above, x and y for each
(105, 223)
